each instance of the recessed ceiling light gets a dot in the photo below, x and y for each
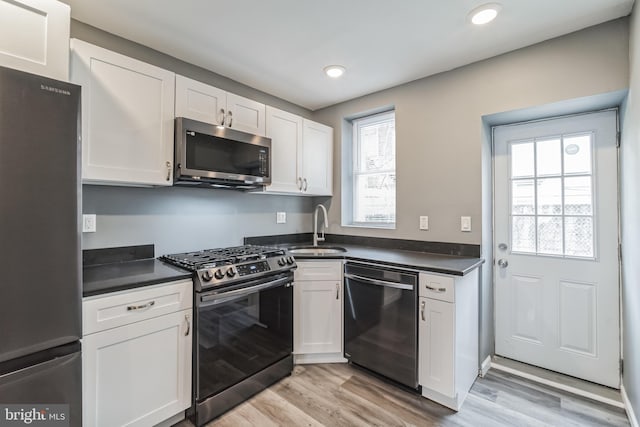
(334, 71)
(484, 14)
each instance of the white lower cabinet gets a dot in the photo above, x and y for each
(317, 312)
(448, 337)
(138, 374)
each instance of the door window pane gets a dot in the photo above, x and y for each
(548, 157)
(550, 235)
(550, 196)
(579, 236)
(578, 198)
(523, 197)
(522, 163)
(577, 154)
(552, 203)
(523, 230)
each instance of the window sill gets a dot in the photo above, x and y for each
(375, 226)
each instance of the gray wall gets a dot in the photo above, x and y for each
(440, 133)
(630, 166)
(181, 219)
(186, 219)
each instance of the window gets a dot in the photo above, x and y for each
(552, 202)
(373, 173)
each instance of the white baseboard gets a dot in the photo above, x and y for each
(559, 386)
(172, 421)
(633, 420)
(486, 365)
(303, 359)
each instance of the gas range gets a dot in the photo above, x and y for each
(226, 266)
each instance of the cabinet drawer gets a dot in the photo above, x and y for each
(318, 270)
(122, 308)
(436, 286)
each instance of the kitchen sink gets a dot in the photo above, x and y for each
(316, 250)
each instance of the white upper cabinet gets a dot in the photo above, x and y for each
(127, 117)
(34, 37)
(302, 155)
(285, 131)
(317, 159)
(199, 101)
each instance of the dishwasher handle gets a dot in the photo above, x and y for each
(377, 282)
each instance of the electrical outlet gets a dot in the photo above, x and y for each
(424, 223)
(89, 223)
(465, 223)
(281, 217)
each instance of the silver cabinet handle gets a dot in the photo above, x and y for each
(436, 289)
(223, 116)
(503, 263)
(305, 184)
(337, 290)
(141, 307)
(230, 114)
(168, 171)
(423, 304)
(187, 318)
(299, 183)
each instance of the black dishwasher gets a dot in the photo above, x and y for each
(380, 320)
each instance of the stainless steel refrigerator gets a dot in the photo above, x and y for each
(40, 267)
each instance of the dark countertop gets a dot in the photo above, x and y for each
(118, 276)
(437, 263)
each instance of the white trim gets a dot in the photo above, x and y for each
(303, 359)
(172, 421)
(485, 366)
(633, 420)
(559, 386)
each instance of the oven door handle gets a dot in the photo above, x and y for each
(219, 298)
(379, 282)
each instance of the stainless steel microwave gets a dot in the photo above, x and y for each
(207, 155)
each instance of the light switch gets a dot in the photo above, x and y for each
(281, 217)
(465, 223)
(424, 223)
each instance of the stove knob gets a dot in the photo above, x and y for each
(206, 275)
(218, 274)
(231, 272)
(290, 260)
(282, 262)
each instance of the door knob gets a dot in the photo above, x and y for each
(502, 263)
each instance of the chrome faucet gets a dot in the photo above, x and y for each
(325, 224)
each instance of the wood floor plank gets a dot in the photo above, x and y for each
(340, 395)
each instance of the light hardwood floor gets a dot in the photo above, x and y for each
(341, 395)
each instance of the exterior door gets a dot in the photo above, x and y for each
(556, 245)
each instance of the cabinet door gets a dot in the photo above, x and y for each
(139, 374)
(317, 317)
(436, 346)
(34, 37)
(285, 131)
(198, 101)
(316, 159)
(245, 114)
(127, 117)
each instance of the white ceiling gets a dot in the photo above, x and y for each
(281, 46)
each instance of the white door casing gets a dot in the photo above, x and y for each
(556, 245)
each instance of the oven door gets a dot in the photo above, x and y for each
(242, 331)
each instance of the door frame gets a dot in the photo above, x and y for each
(491, 241)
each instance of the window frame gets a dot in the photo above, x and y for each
(354, 172)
